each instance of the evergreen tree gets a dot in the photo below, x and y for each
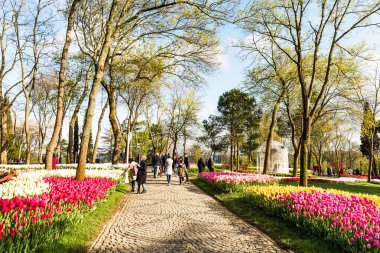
(90, 147)
(241, 116)
(213, 137)
(368, 137)
(252, 128)
(13, 146)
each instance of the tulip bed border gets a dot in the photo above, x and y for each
(227, 181)
(326, 214)
(288, 236)
(28, 222)
(351, 221)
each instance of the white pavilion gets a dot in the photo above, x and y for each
(279, 158)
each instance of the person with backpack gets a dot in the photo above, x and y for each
(181, 171)
(175, 162)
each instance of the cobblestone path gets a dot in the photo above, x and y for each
(178, 218)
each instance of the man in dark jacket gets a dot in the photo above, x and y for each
(186, 161)
(210, 164)
(162, 167)
(175, 162)
(156, 164)
(142, 175)
(201, 165)
(187, 166)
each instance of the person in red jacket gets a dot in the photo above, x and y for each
(54, 163)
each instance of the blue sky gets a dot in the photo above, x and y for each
(230, 74)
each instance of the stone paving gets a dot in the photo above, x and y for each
(178, 218)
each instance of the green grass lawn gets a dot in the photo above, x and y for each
(78, 236)
(358, 187)
(193, 171)
(285, 234)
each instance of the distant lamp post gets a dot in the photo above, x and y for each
(129, 138)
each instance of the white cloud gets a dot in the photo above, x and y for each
(232, 40)
(222, 59)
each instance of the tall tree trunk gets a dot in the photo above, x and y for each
(61, 87)
(70, 145)
(231, 157)
(34, 77)
(309, 156)
(184, 140)
(59, 145)
(374, 170)
(99, 74)
(4, 131)
(115, 127)
(41, 139)
(22, 144)
(95, 151)
(370, 164)
(305, 145)
(40, 148)
(24, 88)
(26, 113)
(270, 135)
(296, 157)
(129, 139)
(175, 143)
(234, 154)
(74, 117)
(320, 158)
(237, 156)
(250, 153)
(231, 152)
(27, 130)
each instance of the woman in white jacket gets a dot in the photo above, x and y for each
(168, 168)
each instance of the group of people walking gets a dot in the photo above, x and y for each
(168, 165)
(138, 174)
(165, 164)
(202, 165)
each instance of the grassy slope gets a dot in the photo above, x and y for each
(78, 236)
(287, 235)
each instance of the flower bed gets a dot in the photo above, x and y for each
(26, 222)
(351, 221)
(232, 181)
(26, 184)
(31, 183)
